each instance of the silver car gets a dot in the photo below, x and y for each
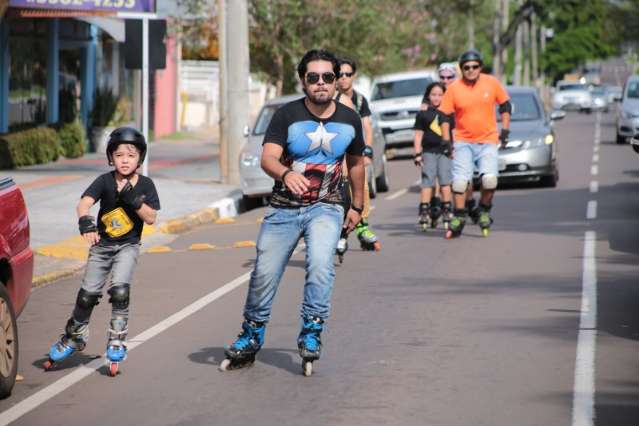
(572, 95)
(256, 184)
(628, 111)
(531, 153)
(600, 98)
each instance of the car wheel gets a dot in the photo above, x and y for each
(8, 344)
(372, 184)
(550, 181)
(382, 180)
(621, 139)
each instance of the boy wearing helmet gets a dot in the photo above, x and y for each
(127, 201)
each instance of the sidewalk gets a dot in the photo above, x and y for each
(186, 173)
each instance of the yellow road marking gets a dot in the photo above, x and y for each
(159, 249)
(201, 246)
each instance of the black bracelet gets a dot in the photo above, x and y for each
(359, 210)
(419, 154)
(285, 173)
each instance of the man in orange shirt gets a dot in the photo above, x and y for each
(471, 102)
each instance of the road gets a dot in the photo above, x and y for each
(474, 331)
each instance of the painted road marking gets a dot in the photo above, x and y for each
(583, 403)
(594, 186)
(82, 372)
(48, 181)
(595, 158)
(396, 194)
(594, 170)
(591, 211)
(595, 148)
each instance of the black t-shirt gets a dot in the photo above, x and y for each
(117, 223)
(315, 148)
(429, 122)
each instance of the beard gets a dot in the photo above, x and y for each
(320, 97)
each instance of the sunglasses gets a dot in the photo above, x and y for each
(447, 77)
(313, 77)
(470, 67)
(346, 74)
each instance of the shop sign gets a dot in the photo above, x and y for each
(147, 6)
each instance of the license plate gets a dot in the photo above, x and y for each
(502, 165)
(400, 136)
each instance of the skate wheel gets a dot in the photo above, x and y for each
(485, 232)
(449, 235)
(377, 246)
(113, 368)
(307, 366)
(446, 225)
(48, 364)
(424, 227)
(225, 364)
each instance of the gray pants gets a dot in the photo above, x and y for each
(436, 166)
(119, 260)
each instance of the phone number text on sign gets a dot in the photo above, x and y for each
(89, 5)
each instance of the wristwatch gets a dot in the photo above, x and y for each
(367, 152)
(359, 210)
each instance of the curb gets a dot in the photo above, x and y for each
(217, 212)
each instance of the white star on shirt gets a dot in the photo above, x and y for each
(320, 138)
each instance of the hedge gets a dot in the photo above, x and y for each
(27, 147)
(72, 139)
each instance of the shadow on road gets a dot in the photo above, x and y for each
(284, 359)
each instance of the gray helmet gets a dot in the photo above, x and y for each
(126, 135)
(469, 56)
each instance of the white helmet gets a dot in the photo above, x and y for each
(448, 66)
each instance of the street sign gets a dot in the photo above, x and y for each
(114, 6)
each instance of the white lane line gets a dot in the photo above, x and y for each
(396, 194)
(594, 186)
(40, 397)
(595, 158)
(591, 210)
(594, 170)
(595, 148)
(583, 402)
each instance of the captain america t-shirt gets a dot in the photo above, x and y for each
(315, 148)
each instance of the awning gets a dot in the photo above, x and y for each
(112, 26)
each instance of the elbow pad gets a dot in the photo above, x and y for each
(506, 107)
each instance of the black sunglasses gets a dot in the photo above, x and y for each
(470, 67)
(346, 74)
(313, 77)
(447, 77)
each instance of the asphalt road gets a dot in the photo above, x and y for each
(474, 331)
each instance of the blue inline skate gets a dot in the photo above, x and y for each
(309, 343)
(116, 350)
(74, 339)
(242, 352)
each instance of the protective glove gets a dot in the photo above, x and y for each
(503, 137)
(129, 197)
(418, 159)
(447, 149)
(86, 224)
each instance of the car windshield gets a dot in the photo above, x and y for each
(525, 107)
(400, 88)
(264, 119)
(575, 86)
(633, 89)
(600, 91)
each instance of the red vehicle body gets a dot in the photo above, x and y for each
(16, 257)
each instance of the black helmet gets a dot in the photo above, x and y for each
(470, 55)
(125, 135)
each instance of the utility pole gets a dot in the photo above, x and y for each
(518, 53)
(497, 47)
(504, 27)
(234, 90)
(534, 51)
(526, 51)
(470, 26)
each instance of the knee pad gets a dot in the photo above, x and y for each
(84, 304)
(459, 186)
(119, 296)
(488, 182)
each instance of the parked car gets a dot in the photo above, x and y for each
(599, 99)
(256, 184)
(628, 111)
(571, 95)
(396, 98)
(615, 93)
(531, 153)
(16, 274)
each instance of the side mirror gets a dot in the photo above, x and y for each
(246, 131)
(634, 142)
(557, 115)
(618, 98)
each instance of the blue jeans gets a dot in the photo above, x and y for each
(320, 225)
(467, 154)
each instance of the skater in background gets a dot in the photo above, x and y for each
(472, 100)
(350, 97)
(303, 150)
(127, 201)
(432, 155)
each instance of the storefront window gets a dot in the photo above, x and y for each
(28, 73)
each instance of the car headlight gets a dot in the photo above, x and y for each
(249, 160)
(548, 139)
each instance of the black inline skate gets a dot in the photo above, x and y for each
(456, 224)
(242, 352)
(424, 216)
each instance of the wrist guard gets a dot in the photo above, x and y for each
(359, 210)
(129, 197)
(503, 136)
(86, 224)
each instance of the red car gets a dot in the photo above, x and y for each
(16, 274)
